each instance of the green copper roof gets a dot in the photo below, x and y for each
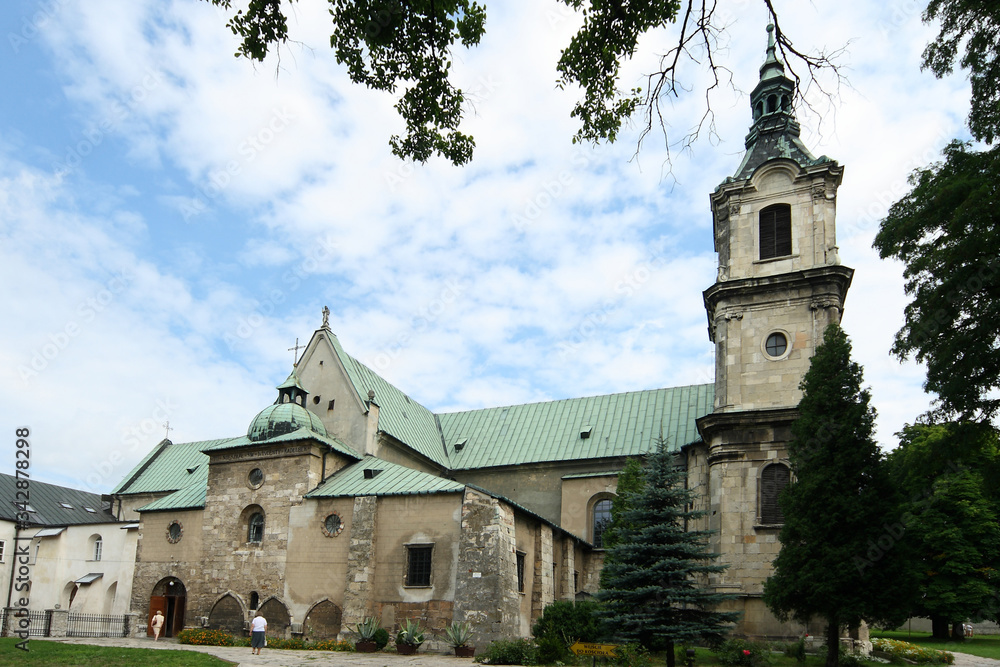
(292, 436)
(190, 497)
(291, 381)
(615, 425)
(166, 467)
(399, 415)
(391, 480)
(283, 418)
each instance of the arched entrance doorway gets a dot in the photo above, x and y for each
(168, 596)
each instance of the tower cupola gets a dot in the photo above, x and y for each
(774, 131)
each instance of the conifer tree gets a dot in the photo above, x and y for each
(655, 574)
(841, 558)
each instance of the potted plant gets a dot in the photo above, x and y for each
(457, 635)
(367, 628)
(409, 638)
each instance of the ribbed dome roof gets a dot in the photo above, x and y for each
(283, 418)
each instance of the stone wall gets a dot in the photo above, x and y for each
(487, 576)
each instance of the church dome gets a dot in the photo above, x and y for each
(282, 418)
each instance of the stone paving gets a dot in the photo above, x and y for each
(275, 658)
(240, 655)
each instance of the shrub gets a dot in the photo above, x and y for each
(551, 650)
(203, 637)
(633, 655)
(900, 650)
(381, 638)
(510, 652)
(797, 650)
(332, 645)
(743, 653)
(569, 622)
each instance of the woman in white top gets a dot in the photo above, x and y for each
(257, 627)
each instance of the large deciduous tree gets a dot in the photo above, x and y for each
(949, 476)
(839, 550)
(389, 45)
(947, 233)
(654, 583)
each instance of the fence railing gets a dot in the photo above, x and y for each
(96, 625)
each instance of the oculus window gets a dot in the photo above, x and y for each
(256, 478)
(776, 231)
(776, 344)
(418, 564)
(332, 525)
(175, 532)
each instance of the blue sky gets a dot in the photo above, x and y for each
(172, 218)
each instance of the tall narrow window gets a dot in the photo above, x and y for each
(98, 547)
(520, 571)
(773, 479)
(418, 565)
(776, 231)
(3, 545)
(255, 528)
(602, 517)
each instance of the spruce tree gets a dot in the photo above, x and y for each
(654, 579)
(841, 557)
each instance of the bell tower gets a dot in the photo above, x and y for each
(779, 284)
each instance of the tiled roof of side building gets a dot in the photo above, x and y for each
(399, 415)
(190, 497)
(168, 467)
(613, 425)
(53, 505)
(390, 480)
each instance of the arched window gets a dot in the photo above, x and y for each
(773, 479)
(254, 599)
(776, 231)
(255, 527)
(602, 517)
(98, 548)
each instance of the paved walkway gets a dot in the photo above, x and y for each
(274, 658)
(966, 660)
(240, 655)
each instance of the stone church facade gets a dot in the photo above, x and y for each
(346, 498)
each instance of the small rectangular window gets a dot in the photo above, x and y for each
(520, 571)
(3, 545)
(66, 506)
(98, 548)
(418, 565)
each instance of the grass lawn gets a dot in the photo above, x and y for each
(984, 646)
(58, 654)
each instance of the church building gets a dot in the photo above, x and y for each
(347, 498)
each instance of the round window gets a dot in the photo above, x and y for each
(174, 532)
(332, 525)
(776, 344)
(255, 478)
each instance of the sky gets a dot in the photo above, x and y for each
(173, 219)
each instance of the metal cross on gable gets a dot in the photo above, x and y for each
(168, 428)
(295, 359)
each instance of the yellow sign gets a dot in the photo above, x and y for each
(607, 650)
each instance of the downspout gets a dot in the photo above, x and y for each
(13, 565)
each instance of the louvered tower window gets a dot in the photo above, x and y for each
(773, 479)
(776, 231)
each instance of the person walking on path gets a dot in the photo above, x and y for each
(156, 624)
(257, 637)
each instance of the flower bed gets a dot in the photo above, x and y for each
(907, 651)
(219, 638)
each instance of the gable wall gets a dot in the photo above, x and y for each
(325, 379)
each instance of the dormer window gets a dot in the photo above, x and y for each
(776, 231)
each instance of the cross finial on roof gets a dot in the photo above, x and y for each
(295, 360)
(169, 429)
